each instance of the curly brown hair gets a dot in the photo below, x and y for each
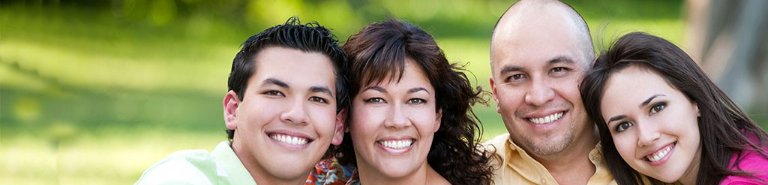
(379, 51)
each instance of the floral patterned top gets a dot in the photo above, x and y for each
(329, 172)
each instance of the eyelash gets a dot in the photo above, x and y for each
(375, 100)
(625, 125)
(515, 77)
(657, 108)
(410, 101)
(560, 70)
(274, 93)
(417, 101)
(653, 110)
(318, 99)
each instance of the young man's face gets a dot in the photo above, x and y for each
(287, 118)
(537, 67)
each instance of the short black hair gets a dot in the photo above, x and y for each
(310, 37)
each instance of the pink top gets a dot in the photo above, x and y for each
(751, 162)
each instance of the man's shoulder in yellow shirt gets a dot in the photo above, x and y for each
(515, 166)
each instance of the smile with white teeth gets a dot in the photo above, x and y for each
(397, 144)
(659, 154)
(289, 139)
(547, 119)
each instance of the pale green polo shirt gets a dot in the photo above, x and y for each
(198, 166)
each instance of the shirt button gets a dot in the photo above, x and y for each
(543, 181)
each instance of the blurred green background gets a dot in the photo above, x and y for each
(94, 92)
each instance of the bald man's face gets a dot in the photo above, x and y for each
(537, 65)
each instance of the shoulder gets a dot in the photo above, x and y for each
(181, 167)
(498, 142)
(751, 162)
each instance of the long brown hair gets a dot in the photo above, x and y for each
(723, 126)
(379, 51)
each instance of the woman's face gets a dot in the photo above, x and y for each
(654, 126)
(393, 124)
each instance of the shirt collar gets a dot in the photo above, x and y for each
(231, 165)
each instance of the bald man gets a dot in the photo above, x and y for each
(540, 50)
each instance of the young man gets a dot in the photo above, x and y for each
(540, 49)
(282, 112)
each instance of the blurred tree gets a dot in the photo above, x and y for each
(728, 39)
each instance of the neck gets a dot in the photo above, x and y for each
(692, 173)
(572, 165)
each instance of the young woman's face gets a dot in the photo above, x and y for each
(654, 126)
(393, 124)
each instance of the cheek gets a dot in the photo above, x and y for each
(570, 89)
(364, 122)
(252, 114)
(509, 97)
(424, 120)
(626, 146)
(324, 119)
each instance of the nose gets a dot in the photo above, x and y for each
(540, 93)
(648, 133)
(295, 113)
(397, 118)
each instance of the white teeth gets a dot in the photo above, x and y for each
(289, 139)
(396, 144)
(547, 119)
(658, 155)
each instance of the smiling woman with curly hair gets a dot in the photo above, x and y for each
(410, 120)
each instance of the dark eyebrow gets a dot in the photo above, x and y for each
(320, 89)
(376, 88)
(560, 59)
(274, 81)
(619, 117)
(417, 89)
(508, 69)
(649, 100)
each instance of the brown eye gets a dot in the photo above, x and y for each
(515, 77)
(621, 127)
(274, 93)
(375, 100)
(417, 101)
(657, 108)
(318, 99)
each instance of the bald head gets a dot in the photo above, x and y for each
(538, 18)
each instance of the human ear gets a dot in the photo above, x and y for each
(493, 92)
(439, 119)
(338, 133)
(231, 103)
(696, 107)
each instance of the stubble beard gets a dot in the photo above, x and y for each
(551, 143)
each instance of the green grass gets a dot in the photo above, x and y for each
(101, 156)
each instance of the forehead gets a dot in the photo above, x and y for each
(634, 85)
(413, 76)
(521, 39)
(294, 65)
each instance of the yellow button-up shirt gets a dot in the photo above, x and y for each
(518, 167)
